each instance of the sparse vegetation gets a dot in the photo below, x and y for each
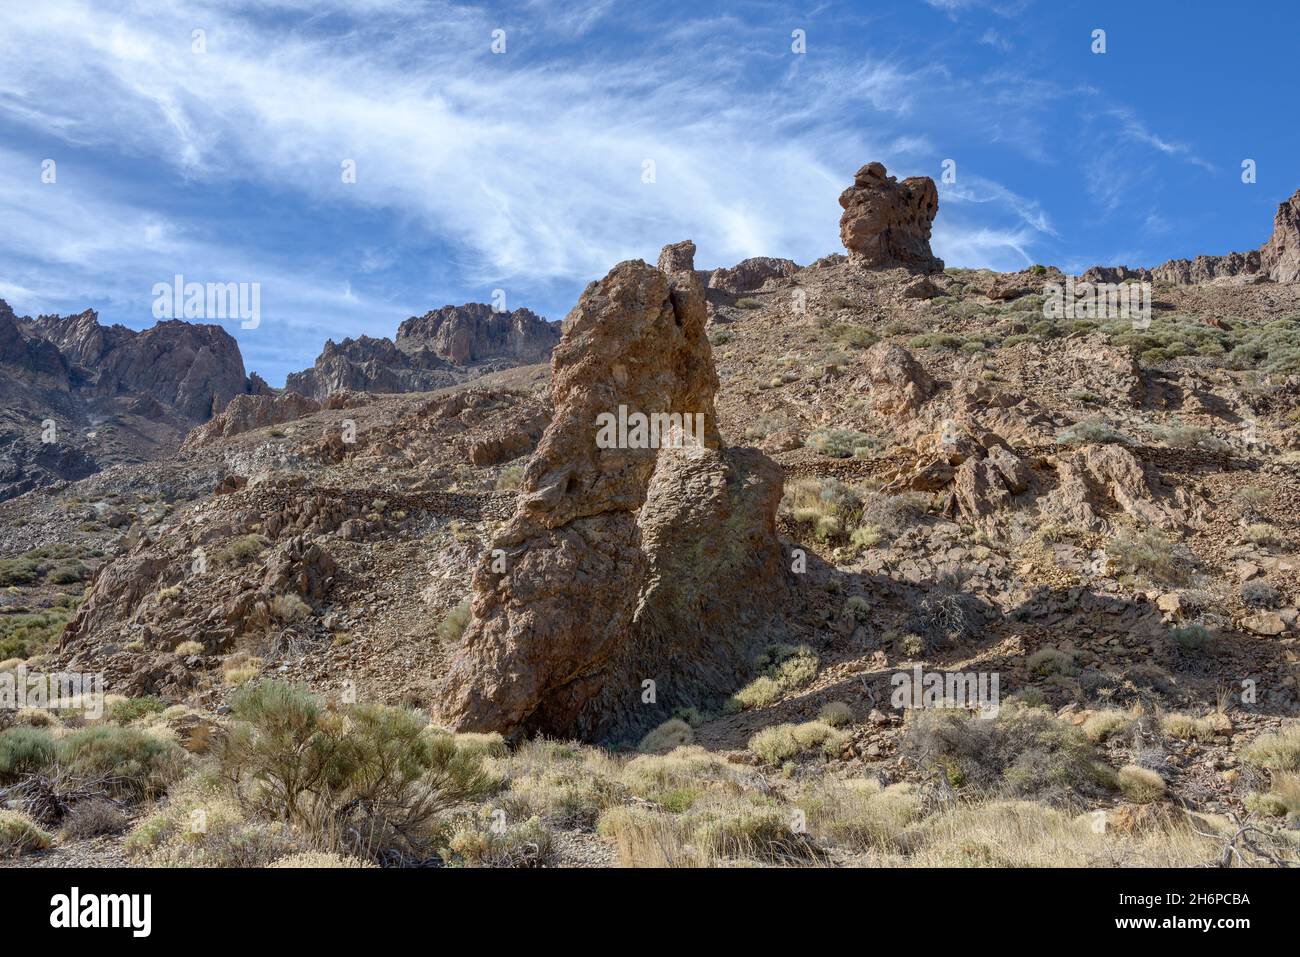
(1140, 785)
(783, 668)
(1090, 432)
(455, 622)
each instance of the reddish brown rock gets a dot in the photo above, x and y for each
(887, 223)
(898, 383)
(622, 565)
(1280, 257)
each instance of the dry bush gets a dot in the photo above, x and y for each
(94, 818)
(564, 784)
(1140, 785)
(1107, 724)
(19, 835)
(835, 713)
(319, 860)
(781, 742)
(455, 622)
(716, 831)
(673, 733)
(1022, 752)
(861, 815)
(1276, 752)
(481, 844)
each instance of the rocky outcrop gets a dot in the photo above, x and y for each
(1097, 478)
(475, 333)
(1208, 268)
(248, 412)
(194, 369)
(433, 351)
(1280, 257)
(897, 382)
(631, 581)
(887, 223)
(1277, 260)
(750, 274)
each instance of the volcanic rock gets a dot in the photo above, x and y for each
(750, 274)
(887, 223)
(622, 565)
(1280, 257)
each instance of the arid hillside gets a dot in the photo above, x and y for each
(963, 569)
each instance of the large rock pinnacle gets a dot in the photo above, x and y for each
(624, 564)
(887, 223)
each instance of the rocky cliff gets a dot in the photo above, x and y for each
(78, 395)
(440, 348)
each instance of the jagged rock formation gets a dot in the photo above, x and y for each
(1188, 272)
(248, 412)
(1280, 257)
(623, 565)
(438, 349)
(77, 395)
(1096, 475)
(887, 223)
(750, 274)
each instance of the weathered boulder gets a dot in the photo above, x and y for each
(622, 565)
(1096, 477)
(898, 384)
(887, 223)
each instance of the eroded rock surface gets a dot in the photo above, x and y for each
(622, 565)
(887, 223)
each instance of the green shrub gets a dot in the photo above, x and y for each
(1090, 432)
(1192, 637)
(748, 302)
(853, 336)
(24, 750)
(369, 780)
(842, 443)
(1147, 553)
(129, 709)
(25, 634)
(783, 668)
(131, 762)
(241, 550)
(510, 478)
(825, 506)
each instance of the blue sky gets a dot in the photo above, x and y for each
(523, 171)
